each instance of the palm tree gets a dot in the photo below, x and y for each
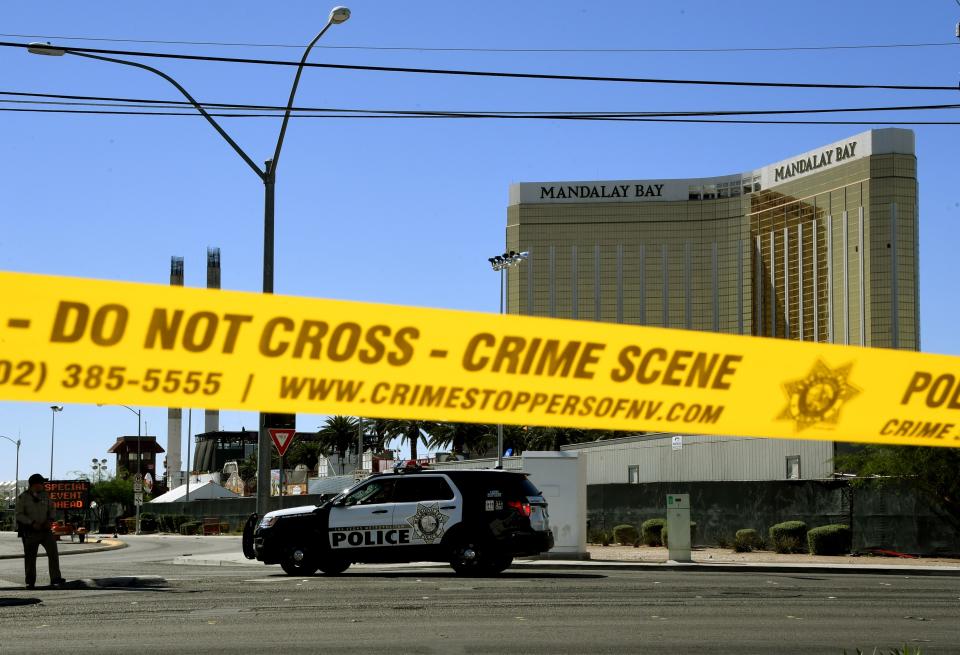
(382, 429)
(306, 452)
(460, 438)
(338, 434)
(515, 437)
(412, 432)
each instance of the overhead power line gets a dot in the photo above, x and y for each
(107, 101)
(501, 74)
(859, 46)
(621, 119)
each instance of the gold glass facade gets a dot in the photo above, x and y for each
(824, 255)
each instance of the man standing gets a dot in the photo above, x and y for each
(34, 516)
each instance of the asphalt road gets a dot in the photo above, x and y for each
(257, 609)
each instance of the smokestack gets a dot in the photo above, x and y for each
(174, 416)
(211, 421)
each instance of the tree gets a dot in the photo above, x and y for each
(338, 434)
(247, 469)
(304, 451)
(931, 472)
(112, 491)
(412, 432)
(460, 438)
(515, 438)
(382, 430)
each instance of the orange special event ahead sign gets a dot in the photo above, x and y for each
(88, 341)
(68, 494)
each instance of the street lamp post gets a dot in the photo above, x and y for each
(139, 455)
(53, 428)
(16, 470)
(268, 175)
(98, 466)
(501, 263)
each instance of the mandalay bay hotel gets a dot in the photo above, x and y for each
(821, 246)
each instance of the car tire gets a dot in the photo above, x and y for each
(334, 566)
(469, 557)
(499, 563)
(298, 561)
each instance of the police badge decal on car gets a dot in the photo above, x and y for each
(428, 522)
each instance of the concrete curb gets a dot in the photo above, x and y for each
(105, 545)
(611, 565)
(700, 567)
(191, 560)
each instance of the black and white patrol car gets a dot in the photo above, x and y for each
(477, 520)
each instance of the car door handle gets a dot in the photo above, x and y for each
(379, 511)
(449, 507)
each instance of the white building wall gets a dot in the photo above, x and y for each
(704, 458)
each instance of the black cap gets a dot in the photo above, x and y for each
(35, 478)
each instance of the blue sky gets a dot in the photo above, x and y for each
(406, 211)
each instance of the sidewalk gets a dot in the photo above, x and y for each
(12, 548)
(703, 561)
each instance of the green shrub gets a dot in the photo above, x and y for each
(148, 522)
(747, 540)
(172, 522)
(625, 534)
(829, 540)
(788, 537)
(191, 527)
(650, 531)
(663, 533)
(604, 539)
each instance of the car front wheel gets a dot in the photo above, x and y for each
(334, 566)
(298, 561)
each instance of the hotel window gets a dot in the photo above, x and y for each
(793, 467)
(709, 191)
(633, 474)
(694, 193)
(747, 188)
(723, 191)
(756, 183)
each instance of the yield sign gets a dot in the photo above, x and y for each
(282, 438)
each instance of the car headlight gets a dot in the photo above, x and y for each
(268, 521)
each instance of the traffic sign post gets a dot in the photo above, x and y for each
(281, 438)
(137, 498)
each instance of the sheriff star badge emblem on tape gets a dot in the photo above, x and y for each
(428, 522)
(817, 398)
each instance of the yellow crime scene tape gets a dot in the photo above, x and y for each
(88, 341)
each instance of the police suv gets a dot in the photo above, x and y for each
(477, 520)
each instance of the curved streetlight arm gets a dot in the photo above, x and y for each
(293, 93)
(16, 474)
(196, 105)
